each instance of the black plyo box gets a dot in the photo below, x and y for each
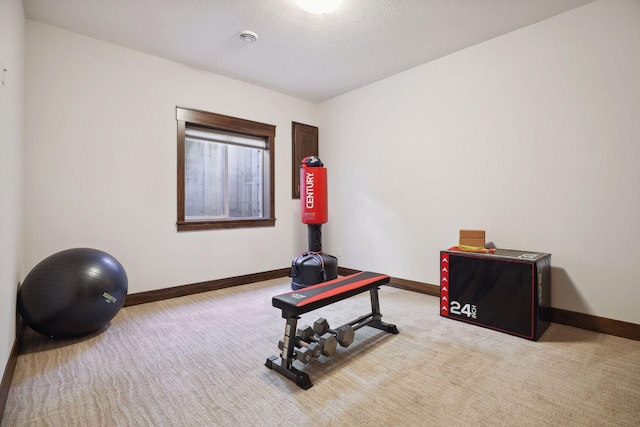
(509, 290)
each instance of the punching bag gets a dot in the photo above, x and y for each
(313, 192)
(313, 266)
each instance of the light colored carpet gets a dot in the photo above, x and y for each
(199, 361)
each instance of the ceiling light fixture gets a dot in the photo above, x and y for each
(248, 36)
(319, 6)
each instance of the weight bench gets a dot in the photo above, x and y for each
(295, 303)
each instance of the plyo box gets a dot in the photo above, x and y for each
(509, 290)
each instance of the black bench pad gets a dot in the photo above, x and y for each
(316, 296)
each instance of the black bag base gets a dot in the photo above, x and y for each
(311, 268)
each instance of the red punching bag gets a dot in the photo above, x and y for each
(313, 192)
(313, 266)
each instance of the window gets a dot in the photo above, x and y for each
(225, 172)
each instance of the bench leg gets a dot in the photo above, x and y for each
(373, 319)
(300, 378)
(284, 364)
(376, 321)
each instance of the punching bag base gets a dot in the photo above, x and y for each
(311, 268)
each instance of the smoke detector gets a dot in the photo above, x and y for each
(248, 36)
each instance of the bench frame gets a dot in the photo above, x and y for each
(338, 289)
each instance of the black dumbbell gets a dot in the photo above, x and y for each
(303, 354)
(327, 341)
(314, 347)
(344, 334)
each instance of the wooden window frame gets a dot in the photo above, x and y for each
(188, 116)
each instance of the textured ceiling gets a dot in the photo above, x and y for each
(314, 57)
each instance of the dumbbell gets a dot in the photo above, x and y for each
(314, 347)
(311, 348)
(345, 334)
(303, 354)
(327, 341)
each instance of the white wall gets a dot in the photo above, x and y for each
(12, 50)
(100, 161)
(533, 136)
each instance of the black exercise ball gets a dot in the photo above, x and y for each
(72, 293)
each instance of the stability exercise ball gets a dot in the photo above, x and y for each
(72, 293)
